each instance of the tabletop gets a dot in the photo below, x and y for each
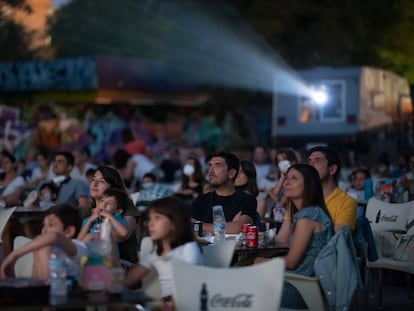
(248, 254)
(37, 296)
(32, 209)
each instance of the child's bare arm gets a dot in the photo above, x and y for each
(119, 229)
(135, 275)
(39, 242)
(85, 228)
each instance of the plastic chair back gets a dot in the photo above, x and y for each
(24, 265)
(256, 287)
(219, 254)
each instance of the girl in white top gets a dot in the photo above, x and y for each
(170, 228)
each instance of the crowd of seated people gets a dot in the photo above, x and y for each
(314, 207)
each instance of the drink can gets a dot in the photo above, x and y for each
(252, 237)
(245, 228)
(198, 228)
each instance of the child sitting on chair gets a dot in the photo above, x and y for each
(171, 231)
(61, 224)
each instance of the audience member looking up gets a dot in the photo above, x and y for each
(43, 170)
(342, 208)
(192, 180)
(276, 201)
(261, 162)
(112, 206)
(308, 230)
(357, 188)
(107, 177)
(239, 207)
(69, 190)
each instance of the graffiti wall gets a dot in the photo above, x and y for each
(62, 74)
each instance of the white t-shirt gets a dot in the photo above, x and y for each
(11, 187)
(189, 252)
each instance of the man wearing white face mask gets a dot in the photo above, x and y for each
(193, 180)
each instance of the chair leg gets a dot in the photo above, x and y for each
(410, 291)
(380, 289)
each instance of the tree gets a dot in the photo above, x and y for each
(15, 39)
(336, 33)
(104, 27)
(305, 33)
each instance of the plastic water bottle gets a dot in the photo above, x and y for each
(219, 222)
(46, 198)
(57, 272)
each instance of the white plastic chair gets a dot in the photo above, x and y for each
(390, 223)
(5, 214)
(24, 265)
(134, 197)
(256, 287)
(388, 217)
(219, 254)
(150, 283)
(310, 290)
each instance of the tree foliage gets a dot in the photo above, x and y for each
(104, 27)
(305, 33)
(14, 38)
(336, 33)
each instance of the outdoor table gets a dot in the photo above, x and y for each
(36, 296)
(270, 249)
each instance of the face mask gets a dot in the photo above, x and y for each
(284, 166)
(147, 185)
(188, 170)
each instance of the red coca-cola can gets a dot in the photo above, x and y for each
(245, 229)
(252, 237)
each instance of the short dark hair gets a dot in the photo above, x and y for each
(230, 158)
(331, 156)
(364, 171)
(70, 159)
(121, 198)
(151, 176)
(9, 155)
(68, 215)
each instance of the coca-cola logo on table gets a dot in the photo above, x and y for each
(238, 301)
(386, 218)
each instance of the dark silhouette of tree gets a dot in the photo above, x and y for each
(14, 38)
(305, 33)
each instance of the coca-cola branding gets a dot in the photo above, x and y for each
(251, 237)
(386, 218)
(238, 301)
